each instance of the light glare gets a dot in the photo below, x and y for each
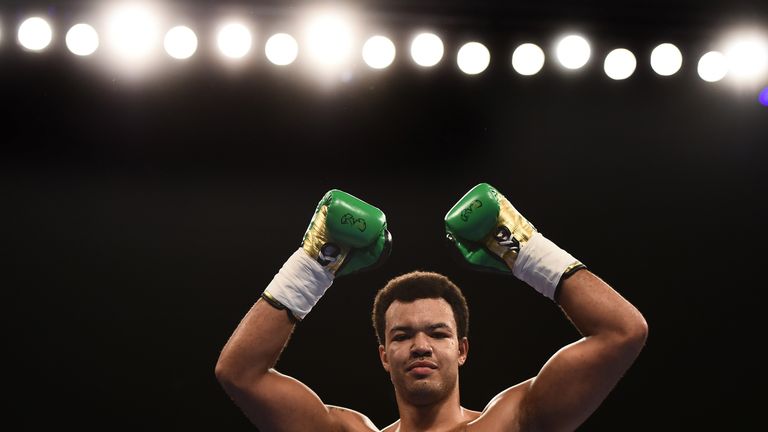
(378, 52)
(82, 40)
(234, 41)
(573, 52)
(528, 59)
(620, 64)
(713, 66)
(35, 34)
(666, 59)
(133, 32)
(281, 49)
(473, 58)
(747, 57)
(180, 42)
(427, 49)
(329, 40)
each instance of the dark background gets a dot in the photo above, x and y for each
(142, 218)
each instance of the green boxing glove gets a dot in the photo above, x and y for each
(346, 235)
(490, 234)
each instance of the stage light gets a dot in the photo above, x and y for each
(378, 52)
(82, 40)
(180, 42)
(427, 49)
(573, 52)
(666, 59)
(713, 66)
(133, 32)
(281, 49)
(763, 97)
(329, 39)
(35, 34)
(473, 58)
(620, 64)
(528, 59)
(234, 40)
(747, 57)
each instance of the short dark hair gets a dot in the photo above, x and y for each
(419, 285)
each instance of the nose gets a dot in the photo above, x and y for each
(421, 346)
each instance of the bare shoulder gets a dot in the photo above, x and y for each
(350, 420)
(393, 427)
(503, 411)
(471, 415)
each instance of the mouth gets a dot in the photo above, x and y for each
(421, 367)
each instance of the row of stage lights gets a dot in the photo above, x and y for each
(130, 35)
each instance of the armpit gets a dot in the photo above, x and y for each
(351, 420)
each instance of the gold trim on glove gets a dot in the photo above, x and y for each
(279, 306)
(519, 229)
(317, 237)
(572, 269)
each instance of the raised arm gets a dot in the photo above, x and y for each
(576, 380)
(345, 235)
(491, 234)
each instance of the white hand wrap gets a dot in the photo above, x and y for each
(541, 264)
(300, 283)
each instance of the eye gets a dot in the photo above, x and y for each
(399, 337)
(440, 335)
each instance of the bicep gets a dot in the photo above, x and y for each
(277, 403)
(503, 411)
(571, 385)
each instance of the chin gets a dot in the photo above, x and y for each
(423, 392)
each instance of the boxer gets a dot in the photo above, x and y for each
(421, 321)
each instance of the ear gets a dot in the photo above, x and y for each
(463, 350)
(383, 357)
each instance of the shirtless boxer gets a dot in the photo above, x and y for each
(421, 320)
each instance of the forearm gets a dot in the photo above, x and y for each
(595, 309)
(255, 345)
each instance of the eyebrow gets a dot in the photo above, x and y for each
(430, 327)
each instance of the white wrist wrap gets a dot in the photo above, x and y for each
(541, 264)
(300, 283)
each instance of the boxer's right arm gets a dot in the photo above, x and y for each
(345, 235)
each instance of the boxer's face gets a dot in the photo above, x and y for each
(422, 352)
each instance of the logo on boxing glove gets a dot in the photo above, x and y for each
(504, 238)
(328, 254)
(358, 223)
(467, 212)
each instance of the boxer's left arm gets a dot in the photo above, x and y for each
(576, 380)
(490, 234)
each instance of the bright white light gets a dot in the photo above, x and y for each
(82, 40)
(234, 41)
(473, 58)
(133, 32)
(747, 57)
(573, 52)
(666, 59)
(378, 52)
(282, 49)
(620, 64)
(427, 49)
(180, 42)
(35, 34)
(329, 39)
(528, 59)
(713, 66)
